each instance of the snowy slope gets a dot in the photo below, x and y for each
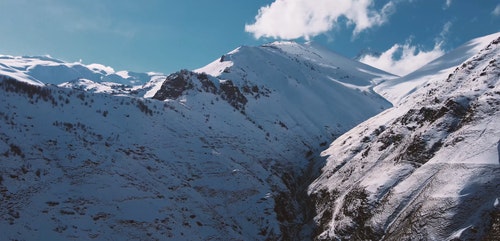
(103, 167)
(396, 89)
(312, 87)
(97, 78)
(225, 156)
(427, 169)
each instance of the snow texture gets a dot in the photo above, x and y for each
(228, 151)
(206, 156)
(427, 168)
(438, 69)
(41, 70)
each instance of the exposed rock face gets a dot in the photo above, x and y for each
(232, 95)
(206, 84)
(180, 83)
(174, 86)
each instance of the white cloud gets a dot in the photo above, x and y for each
(444, 33)
(402, 59)
(291, 19)
(496, 11)
(411, 58)
(447, 4)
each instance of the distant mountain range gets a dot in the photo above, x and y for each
(241, 149)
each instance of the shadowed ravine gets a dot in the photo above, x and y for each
(294, 207)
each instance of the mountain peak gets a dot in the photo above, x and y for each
(282, 42)
(39, 70)
(230, 151)
(305, 60)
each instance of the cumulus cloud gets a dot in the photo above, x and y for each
(291, 19)
(402, 59)
(496, 11)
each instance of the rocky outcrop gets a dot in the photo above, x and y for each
(182, 82)
(232, 95)
(174, 86)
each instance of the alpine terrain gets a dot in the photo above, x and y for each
(223, 152)
(426, 169)
(241, 149)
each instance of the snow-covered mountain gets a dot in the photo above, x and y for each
(41, 70)
(231, 151)
(395, 90)
(225, 152)
(427, 169)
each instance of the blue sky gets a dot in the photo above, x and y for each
(165, 36)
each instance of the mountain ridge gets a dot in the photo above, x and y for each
(85, 170)
(49, 70)
(155, 162)
(426, 168)
(396, 90)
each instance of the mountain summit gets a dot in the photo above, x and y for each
(222, 152)
(236, 150)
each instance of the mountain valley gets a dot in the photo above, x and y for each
(283, 141)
